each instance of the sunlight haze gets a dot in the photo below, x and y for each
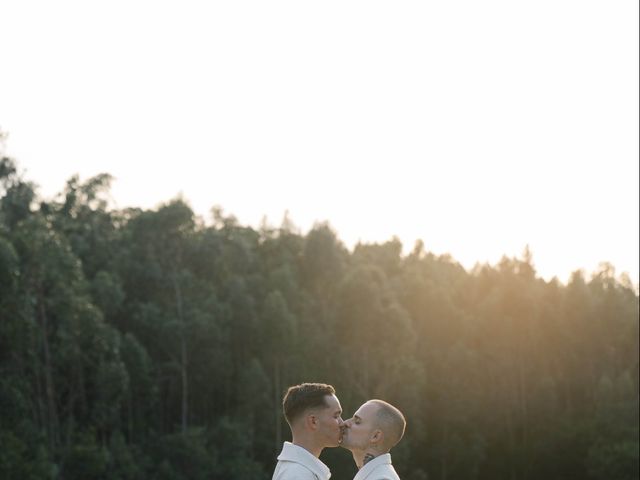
(478, 127)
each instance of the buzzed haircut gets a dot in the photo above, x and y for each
(391, 421)
(304, 396)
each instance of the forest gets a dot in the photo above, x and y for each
(155, 344)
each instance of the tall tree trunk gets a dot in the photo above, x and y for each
(444, 464)
(41, 397)
(512, 437)
(183, 355)
(277, 409)
(52, 412)
(524, 412)
(185, 384)
(130, 416)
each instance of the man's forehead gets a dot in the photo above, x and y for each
(332, 402)
(366, 410)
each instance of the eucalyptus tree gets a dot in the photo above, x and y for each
(156, 281)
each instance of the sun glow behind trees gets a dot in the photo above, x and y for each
(144, 344)
(478, 127)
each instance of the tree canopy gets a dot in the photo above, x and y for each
(153, 344)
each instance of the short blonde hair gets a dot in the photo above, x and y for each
(391, 421)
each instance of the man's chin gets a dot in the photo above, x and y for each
(333, 444)
(344, 445)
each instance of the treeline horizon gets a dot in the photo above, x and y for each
(144, 343)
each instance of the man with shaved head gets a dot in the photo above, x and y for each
(370, 434)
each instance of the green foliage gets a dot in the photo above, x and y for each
(145, 344)
(232, 448)
(85, 459)
(21, 459)
(617, 461)
(184, 456)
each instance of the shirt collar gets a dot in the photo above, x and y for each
(294, 453)
(384, 459)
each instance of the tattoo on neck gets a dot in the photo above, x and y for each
(367, 458)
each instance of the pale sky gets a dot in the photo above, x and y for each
(476, 126)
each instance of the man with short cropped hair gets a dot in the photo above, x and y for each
(314, 415)
(370, 434)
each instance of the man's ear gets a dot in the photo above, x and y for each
(378, 437)
(311, 422)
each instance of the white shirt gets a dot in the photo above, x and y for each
(379, 468)
(296, 463)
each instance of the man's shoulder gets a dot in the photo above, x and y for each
(286, 470)
(384, 472)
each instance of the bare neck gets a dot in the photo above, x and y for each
(308, 444)
(362, 457)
